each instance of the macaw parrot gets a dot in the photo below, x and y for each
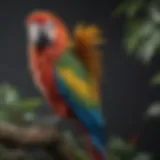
(66, 69)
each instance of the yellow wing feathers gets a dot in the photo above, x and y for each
(88, 35)
(87, 40)
(78, 86)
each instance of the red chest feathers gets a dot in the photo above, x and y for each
(42, 73)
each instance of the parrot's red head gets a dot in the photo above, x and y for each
(45, 31)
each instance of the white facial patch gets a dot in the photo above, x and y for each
(49, 30)
(33, 32)
(35, 29)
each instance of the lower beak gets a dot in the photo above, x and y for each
(43, 41)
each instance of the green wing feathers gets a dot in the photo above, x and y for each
(76, 78)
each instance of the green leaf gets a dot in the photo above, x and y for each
(154, 13)
(121, 9)
(149, 48)
(134, 7)
(81, 155)
(137, 33)
(23, 105)
(29, 104)
(8, 94)
(131, 41)
(142, 156)
(156, 79)
(142, 39)
(130, 9)
(29, 117)
(154, 110)
(113, 157)
(4, 116)
(120, 147)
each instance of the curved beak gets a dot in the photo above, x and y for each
(43, 41)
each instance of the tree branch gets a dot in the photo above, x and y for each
(35, 136)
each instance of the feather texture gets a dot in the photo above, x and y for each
(87, 40)
(75, 86)
(71, 86)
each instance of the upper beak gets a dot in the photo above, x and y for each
(42, 41)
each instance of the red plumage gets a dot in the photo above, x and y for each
(41, 63)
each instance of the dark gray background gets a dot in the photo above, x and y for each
(126, 92)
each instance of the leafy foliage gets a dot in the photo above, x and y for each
(142, 27)
(13, 107)
(122, 150)
(119, 149)
(154, 110)
(142, 36)
(142, 156)
(156, 79)
(142, 39)
(16, 109)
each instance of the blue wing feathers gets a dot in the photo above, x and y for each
(90, 119)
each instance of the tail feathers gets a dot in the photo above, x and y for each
(99, 151)
(97, 155)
